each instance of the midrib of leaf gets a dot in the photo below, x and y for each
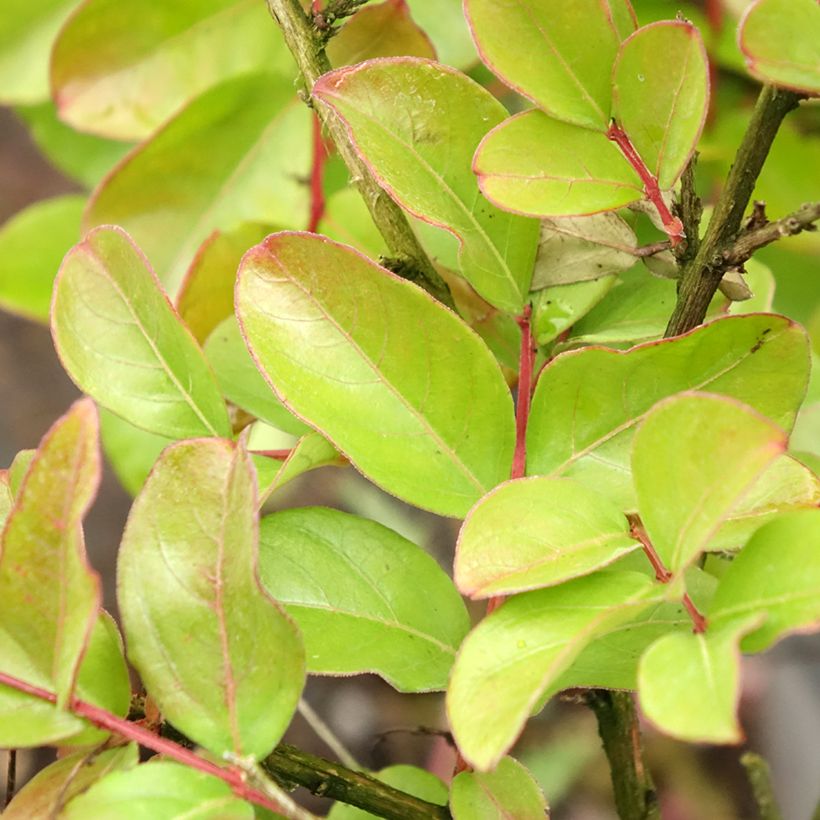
(706, 658)
(760, 603)
(571, 181)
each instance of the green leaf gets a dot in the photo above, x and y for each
(537, 532)
(242, 383)
(206, 294)
(560, 55)
(52, 787)
(122, 343)
(347, 220)
(777, 574)
(587, 402)
(236, 154)
(780, 40)
(409, 779)
(32, 245)
(506, 792)
(27, 30)
(382, 393)
(583, 248)
(365, 599)
(533, 164)
(443, 22)
(557, 308)
(18, 469)
(515, 654)
(6, 498)
(661, 102)
(417, 124)
(120, 71)
(161, 790)
(693, 457)
(689, 684)
(221, 659)
(381, 30)
(130, 451)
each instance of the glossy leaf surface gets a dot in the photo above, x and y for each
(380, 391)
(365, 599)
(687, 483)
(217, 654)
(533, 164)
(515, 654)
(537, 532)
(507, 791)
(122, 343)
(417, 124)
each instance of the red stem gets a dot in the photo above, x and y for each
(672, 225)
(161, 745)
(317, 193)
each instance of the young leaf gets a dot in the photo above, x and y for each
(693, 458)
(511, 657)
(120, 71)
(236, 154)
(32, 245)
(777, 574)
(382, 393)
(780, 40)
(365, 599)
(537, 532)
(161, 790)
(587, 403)
(689, 684)
(417, 124)
(661, 94)
(122, 343)
(557, 308)
(506, 792)
(217, 654)
(533, 164)
(558, 54)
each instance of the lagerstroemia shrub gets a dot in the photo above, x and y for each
(519, 320)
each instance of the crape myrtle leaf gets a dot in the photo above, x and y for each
(161, 790)
(577, 249)
(778, 574)
(409, 779)
(380, 30)
(784, 486)
(662, 103)
(32, 245)
(689, 684)
(27, 31)
(122, 342)
(6, 498)
(780, 40)
(443, 22)
(694, 456)
(533, 164)
(506, 792)
(557, 308)
(559, 54)
(52, 787)
(18, 469)
(347, 220)
(311, 452)
(206, 296)
(121, 71)
(239, 153)
(49, 595)
(435, 403)
(83, 157)
(537, 532)
(417, 124)
(242, 383)
(187, 581)
(365, 598)
(587, 402)
(506, 662)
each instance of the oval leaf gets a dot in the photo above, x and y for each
(217, 654)
(384, 395)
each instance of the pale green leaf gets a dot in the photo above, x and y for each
(509, 791)
(217, 654)
(443, 22)
(417, 124)
(347, 220)
(557, 308)
(18, 469)
(122, 342)
(403, 388)
(365, 599)
(130, 451)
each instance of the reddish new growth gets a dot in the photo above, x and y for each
(672, 225)
(317, 193)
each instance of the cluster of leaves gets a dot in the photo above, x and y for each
(250, 331)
